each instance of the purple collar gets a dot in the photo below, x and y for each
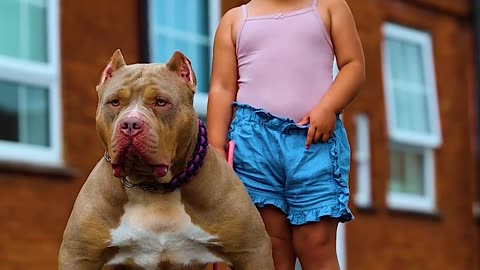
(193, 167)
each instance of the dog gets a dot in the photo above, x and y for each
(161, 197)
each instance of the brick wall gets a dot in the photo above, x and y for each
(35, 207)
(383, 239)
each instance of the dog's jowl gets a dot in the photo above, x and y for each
(160, 197)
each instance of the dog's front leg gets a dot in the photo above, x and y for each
(261, 259)
(78, 264)
(80, 257)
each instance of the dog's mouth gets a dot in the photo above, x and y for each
(130, 162)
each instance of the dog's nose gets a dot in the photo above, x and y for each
(131, 126)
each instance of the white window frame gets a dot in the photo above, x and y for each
(425, 41)
(421, 203)
(214, 6)
(363, 197)
(42, 75)
(423, 144)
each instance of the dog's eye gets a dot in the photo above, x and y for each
(160, 102)
(115, 102)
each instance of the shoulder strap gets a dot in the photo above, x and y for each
(245, 12)
(314, 3)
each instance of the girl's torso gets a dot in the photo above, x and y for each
(284, 59)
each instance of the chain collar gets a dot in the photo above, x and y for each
(193, 167)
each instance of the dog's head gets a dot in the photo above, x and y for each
(145, 117)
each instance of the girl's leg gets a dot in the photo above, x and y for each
(315, 245)
(280, 232)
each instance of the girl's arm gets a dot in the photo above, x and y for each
(351, 64)
(223, 84)
(350, 58)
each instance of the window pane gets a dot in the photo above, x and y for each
(36, 116)
(10, 28)
(411, 110)
(199, 22)
(420, 114)
(201, 65)
(37, 26)
(407, 172)
(24, 114)
(396, 58)
(159, 8)
(23, 25)
(403, 115)
(183, 25)
(413, 63)
(163, 49)
(407, 80)
(9, 112)
(183, 13)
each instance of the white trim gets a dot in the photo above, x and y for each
(413, 138)
(190, 37)
(200, 101)
(406, 140)
(424, 40)
(45, 75)
(341, 245)
(16, 70)
(37, 3)
(56, 140)
(362, 196)
(214, 7)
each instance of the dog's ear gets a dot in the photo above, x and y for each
(182, 66)
(116, 62)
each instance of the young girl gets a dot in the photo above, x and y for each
(273, 61)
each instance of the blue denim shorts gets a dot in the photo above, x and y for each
(271, 160)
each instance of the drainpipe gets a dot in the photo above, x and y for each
(476, 208)
(476, 27)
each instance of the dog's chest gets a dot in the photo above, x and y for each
(160, 230)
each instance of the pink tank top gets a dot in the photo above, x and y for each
(284, 61)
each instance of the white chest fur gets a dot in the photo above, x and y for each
(158, 229)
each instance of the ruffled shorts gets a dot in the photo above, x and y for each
(271, 160)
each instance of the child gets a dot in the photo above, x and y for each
(273, 60)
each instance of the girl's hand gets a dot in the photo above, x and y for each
(322, 124)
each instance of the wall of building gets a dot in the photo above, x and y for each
(36, 202)
(384, 239)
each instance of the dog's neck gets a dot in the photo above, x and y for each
(185, 152)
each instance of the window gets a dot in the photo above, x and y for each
(412, 115)
(29, 82)
(187, 26)
(362, 161)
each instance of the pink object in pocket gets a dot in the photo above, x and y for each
(230, 149)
